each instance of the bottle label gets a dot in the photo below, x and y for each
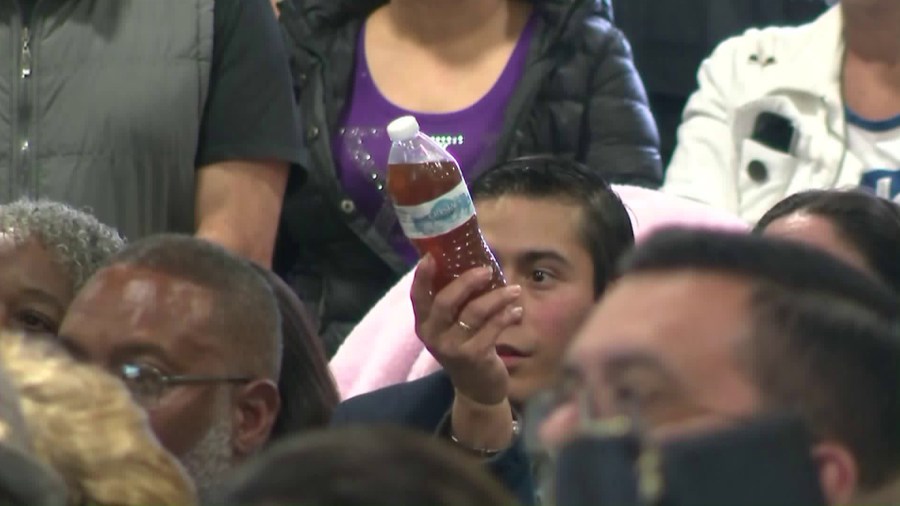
(438, 216)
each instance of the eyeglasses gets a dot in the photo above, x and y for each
(147, 384)
(545, 403)
(625, 406)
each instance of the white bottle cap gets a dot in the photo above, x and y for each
(403, 128)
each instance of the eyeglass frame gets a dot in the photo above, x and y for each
(173, 380)
(590, 421)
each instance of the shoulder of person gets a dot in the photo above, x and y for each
(758, 48)
(421, 403)
(325, 15)
(589, 27)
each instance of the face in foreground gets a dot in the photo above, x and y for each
(669, 344)
(666, 343)
(538, 245)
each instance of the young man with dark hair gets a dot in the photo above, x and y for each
(194, 332)
(557, 230)
(706, 328)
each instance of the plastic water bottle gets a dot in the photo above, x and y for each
(433, 205)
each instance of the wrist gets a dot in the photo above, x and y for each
(482, 428)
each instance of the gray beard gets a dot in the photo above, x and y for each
(210, 460)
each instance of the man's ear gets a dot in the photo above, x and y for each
(838, 472)
(256, 407)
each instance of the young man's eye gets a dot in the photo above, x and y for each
(539, 276)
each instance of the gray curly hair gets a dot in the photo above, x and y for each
(79, 241)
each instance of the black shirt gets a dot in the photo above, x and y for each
(250, 109)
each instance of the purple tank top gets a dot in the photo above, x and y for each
(361, 145)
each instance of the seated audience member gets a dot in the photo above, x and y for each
(782, 110)
(195, 334)
(703, 329)
(384, 350)
(557, 230)
(47, 251)
(362, 467)
(307, 390)
(855, 226)
(83, 424)
(488, 79)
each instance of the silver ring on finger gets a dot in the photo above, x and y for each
(465, 326)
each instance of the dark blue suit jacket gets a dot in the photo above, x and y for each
(422, 405)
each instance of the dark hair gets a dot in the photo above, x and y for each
(363, 466)
(606, 229)
(245, 311)
(307, 389)
(869, 223)
(825, 340)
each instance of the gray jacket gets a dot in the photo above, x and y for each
(100, 105)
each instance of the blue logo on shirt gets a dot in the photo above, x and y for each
(884, 182)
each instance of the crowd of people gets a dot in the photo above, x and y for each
(206, 296)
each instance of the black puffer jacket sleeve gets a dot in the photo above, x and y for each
(622, 139)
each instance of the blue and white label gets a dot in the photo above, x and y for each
(438, 216)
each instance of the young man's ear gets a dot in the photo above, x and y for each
(838, 472)
(256, 408)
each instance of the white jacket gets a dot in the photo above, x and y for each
(794, 72)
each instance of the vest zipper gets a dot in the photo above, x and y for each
(26, 53)
(24, 145)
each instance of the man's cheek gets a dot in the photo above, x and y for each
(177, 433)
(557, 318)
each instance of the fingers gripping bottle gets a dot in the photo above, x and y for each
(433, 204)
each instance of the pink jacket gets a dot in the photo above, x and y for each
(383, 349)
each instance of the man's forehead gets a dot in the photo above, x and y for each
(138, 288)
(547, 208)
(524, 224)
(125, 308)
(662, 312)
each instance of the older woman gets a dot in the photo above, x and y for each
(47, 251)
(489, 79)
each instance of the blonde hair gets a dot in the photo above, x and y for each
(83, 424)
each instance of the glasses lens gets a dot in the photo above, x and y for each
(144, 382)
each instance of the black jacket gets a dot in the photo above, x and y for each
(579, 96)
(422, 405)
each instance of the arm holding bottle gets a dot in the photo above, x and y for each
(462, 337)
